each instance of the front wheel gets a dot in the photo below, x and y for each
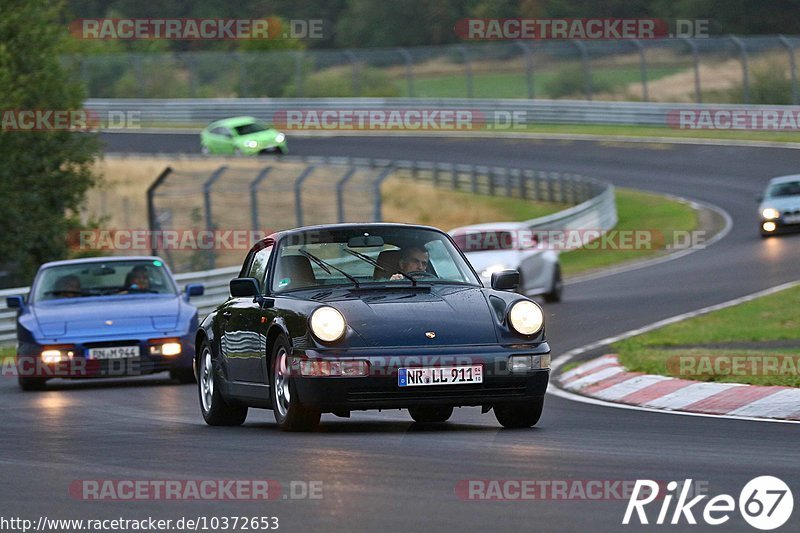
(290, 414)
(216, 411)
(519, 415)
(430, 414)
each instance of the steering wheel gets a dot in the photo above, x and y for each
(421, 274)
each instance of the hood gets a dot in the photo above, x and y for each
(457, 315)
(781, 203)
(87, 317)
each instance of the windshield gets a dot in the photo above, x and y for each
(358, 257)
(791, 188)
(103, 279)
(247, 129)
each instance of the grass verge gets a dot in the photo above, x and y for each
(772, 320)
(659, 216)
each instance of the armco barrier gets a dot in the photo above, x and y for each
(494, 112)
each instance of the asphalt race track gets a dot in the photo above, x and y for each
(381, 472)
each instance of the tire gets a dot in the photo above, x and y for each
(216, 411)
(430, 414)
(182, 375)
(557, 288)
(32, 384)
(519, 415)
(289, 413)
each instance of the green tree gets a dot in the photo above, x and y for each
(44, 175)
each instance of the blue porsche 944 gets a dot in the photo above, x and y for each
(104, 317)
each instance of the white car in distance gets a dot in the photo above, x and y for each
(498, 246)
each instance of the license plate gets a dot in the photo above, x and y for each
(447, 375)
(792, 219)
(114, 352)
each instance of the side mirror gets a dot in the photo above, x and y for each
(244, 287)
(15, 302)
(194, 289)
(759, 198)
(505, 280)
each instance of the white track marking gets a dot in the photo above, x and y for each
(629, 386)
(690, 394)
(782, 403)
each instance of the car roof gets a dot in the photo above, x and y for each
(785, 179)
(232, 122)
(103, 259)
(488, 226)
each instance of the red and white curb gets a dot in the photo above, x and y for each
(606, 379)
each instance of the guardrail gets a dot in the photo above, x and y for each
(593, 208)
(488, 114)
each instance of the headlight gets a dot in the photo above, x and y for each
(166, 347)
(55, 355)
(250, 144)
(526, 317)
(280, 137)
(488, 271)
(770, 213)
(769, 226)
(327, 324)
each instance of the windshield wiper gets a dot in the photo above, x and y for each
(324, 265)
(385, 268)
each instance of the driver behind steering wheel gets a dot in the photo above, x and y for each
(413, 259)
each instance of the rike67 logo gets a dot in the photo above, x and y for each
(765, 503)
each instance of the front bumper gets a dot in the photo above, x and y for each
(380, 389)
(781, 226)
(30, 364)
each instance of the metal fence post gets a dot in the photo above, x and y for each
(356, 75)
(745, 70)
(587, 74)
(792, 66)
(409, 70)
(207, 204)
(340, 192)
(254, 195)
(190, 69)
(467, 69)
(298, 74)
(377, 191)
(528, 68)
(696, 58)
(298, 189)
(152, 220)
(642, 67)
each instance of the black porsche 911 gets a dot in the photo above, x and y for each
(332, 319)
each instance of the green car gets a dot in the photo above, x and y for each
(242, 136)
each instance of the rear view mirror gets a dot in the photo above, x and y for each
(194, 289)
(365, 241)
(505, 280)
(15, 302)
(244, 287)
